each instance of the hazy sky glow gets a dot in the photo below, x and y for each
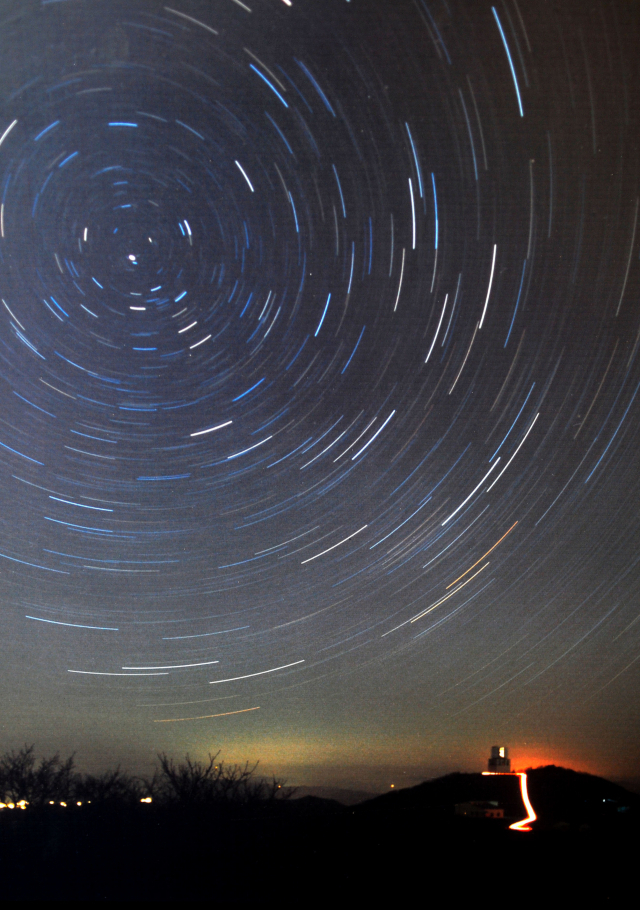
(320, 359)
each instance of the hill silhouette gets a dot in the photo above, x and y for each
(560, 796)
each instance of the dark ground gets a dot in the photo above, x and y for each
(582, 851)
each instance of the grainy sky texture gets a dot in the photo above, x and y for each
(320, 360)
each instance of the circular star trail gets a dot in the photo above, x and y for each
(319, 353)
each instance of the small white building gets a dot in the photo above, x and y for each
(479, 809)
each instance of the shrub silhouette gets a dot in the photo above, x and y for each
(112, 787)
(186, 783)
(193, 783)
(21, 777)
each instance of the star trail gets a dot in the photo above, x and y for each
(319, 359)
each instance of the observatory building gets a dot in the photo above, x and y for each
(499, 763)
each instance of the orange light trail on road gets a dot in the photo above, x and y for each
(523, 824)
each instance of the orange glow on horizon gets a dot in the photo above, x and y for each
(522, 825)
(530, 759)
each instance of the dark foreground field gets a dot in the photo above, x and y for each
(583, 849)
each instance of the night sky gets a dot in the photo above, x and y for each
(320, 361)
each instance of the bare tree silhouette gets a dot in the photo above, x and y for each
(110, 787)
(22, 778)
(183, 783)
(192, 782)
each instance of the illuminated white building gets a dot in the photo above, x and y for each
(499, 763)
